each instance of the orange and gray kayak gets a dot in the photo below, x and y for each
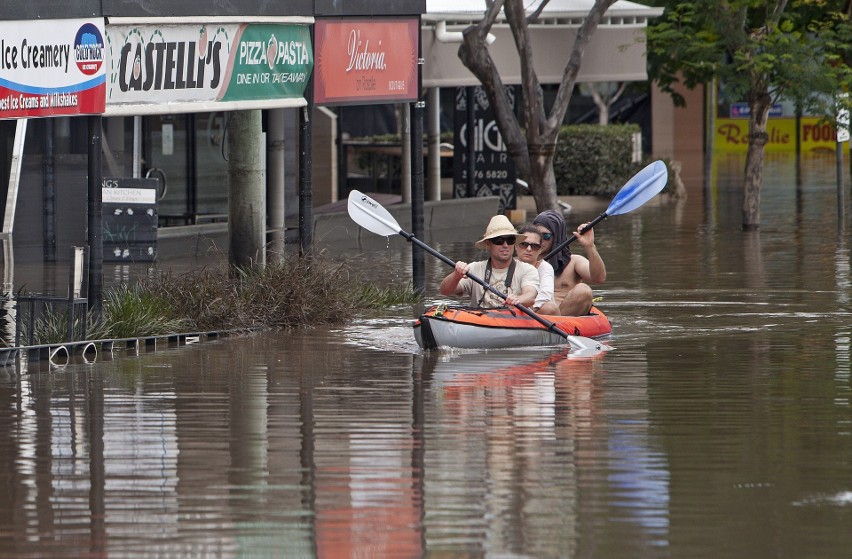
(475, 328)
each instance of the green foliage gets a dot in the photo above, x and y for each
(371, 296)
(754, 49)
(592, 159)
(297, 292)
(51, 326)
(129, 312)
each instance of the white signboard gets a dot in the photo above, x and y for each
(171, 68)
(843, 121)
(119, 195)
(52, 67)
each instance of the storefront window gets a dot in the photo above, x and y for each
(211, 166)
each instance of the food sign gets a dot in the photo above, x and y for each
(199, 67)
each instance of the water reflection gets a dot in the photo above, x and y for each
(719, 427)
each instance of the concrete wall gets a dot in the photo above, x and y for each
(678, 132)
(324, 151)
(443, 215)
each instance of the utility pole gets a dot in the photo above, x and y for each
(246, 190)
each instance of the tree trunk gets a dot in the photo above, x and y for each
(757, 139)
(541, 174)
(531, 148)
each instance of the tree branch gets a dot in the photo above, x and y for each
(572, 68)
(533, 17)
(474, 54)
(534, 116)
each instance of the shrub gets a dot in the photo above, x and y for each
(594, 160)
(295, 292)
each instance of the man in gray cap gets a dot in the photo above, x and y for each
(517, 279)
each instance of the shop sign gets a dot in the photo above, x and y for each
(742, 110)
(815, 135)
(366, 61)
(494, 169)
(51, 67)
(130, 219)
(168, 68)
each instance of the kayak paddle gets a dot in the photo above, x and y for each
(373, 217)
(644, 185)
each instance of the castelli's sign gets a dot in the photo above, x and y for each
(365, 61)
(51, 68)
(159, 68)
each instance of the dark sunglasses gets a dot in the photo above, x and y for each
(499, 241)
(534, 246)
(547, 236)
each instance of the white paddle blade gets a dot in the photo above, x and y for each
(581, 343)
(371, 215)
(644, 185)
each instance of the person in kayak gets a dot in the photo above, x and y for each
(518, 280)
(529, 251)
(575, 274)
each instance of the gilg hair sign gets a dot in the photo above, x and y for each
(365, 61)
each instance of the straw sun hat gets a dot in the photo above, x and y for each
(499, 226)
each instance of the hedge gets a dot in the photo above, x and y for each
(594, 160)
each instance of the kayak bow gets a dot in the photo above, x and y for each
(474, 328)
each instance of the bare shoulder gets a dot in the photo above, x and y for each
(570, 276)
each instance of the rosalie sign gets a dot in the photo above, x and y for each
(51, 68)
(179, 68)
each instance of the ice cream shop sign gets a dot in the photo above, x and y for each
(51, 68)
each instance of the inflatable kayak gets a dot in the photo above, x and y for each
(474, 328)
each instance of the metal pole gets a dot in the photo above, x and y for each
(137, 147)
(306, 208)
(406, 153)
(14, 175)
(433, 110)
(710, 133)
(839, 164)
(246, 190)
(275, 183)
(418, 265)
(471, 142)
(95, 215)
(49, 192)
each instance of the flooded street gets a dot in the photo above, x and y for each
(719, 426)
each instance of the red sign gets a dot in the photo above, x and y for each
(365, 61)
(52, 67)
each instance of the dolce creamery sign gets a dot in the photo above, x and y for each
(51, 68)
(206, 67)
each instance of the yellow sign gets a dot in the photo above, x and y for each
(815, 136)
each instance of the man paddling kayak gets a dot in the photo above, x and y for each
(501, 270)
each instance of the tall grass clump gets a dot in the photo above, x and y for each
(371, 296)
(129, 311)
(51, 326)
(293, 292)
(290, 293)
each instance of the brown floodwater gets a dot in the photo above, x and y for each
(719, 426)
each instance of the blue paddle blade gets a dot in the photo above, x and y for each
(644, 185)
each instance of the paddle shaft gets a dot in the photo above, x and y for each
(572, 238)
(552, 327)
